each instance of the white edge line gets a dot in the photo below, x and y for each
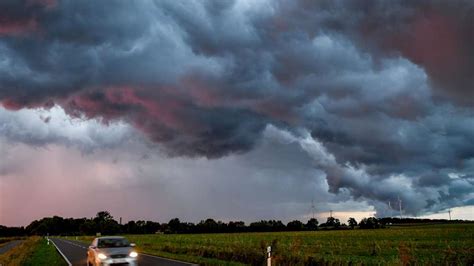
(189, 263)
(60, 252)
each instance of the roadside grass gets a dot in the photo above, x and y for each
(32, 251)
(448, 244)
(44, 254)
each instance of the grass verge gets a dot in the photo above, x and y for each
(32, 251)
(45, 254)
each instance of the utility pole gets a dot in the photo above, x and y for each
(400, 205)
(389, 210)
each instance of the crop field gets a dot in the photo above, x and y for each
(428, 245)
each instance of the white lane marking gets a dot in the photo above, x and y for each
(71, 243)
(62, 254)
(188, 263)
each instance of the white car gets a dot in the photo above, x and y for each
(111, 250)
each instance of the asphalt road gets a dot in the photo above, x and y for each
(9, 246)
(76, 254)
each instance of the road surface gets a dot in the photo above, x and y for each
(75, 253)
(9, 245)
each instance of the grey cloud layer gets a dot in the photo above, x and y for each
(384, 86)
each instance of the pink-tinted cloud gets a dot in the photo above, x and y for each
(11, 104)
(46, 3)
(21, 17)
(17, 27)
(438, 38)
(134, 105)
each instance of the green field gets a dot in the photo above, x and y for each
(31, 252)
(427, 245)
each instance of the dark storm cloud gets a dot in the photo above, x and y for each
(384, 86)
(437, 35)
(20, 17)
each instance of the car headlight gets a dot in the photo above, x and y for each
(133, 254)
(102, 256)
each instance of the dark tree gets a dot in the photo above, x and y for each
(174, 225)
(236, 226)
(369, 223)
(333, 222)
(352, 222)
(267, 226)
(88, 228)
(12, 231)
(207, 226)
(151, 227)
(295, 226)
(105, 223)
(312, 224)
(103, 216)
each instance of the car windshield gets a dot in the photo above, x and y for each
(113, 243)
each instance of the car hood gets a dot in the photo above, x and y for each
(116, 251)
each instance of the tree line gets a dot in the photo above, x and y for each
(105, 224)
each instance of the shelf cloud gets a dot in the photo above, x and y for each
(378, 94)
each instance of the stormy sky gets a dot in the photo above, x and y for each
(236, 110)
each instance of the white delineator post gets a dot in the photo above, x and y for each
(269, 256)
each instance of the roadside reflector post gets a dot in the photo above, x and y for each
(269, 256)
